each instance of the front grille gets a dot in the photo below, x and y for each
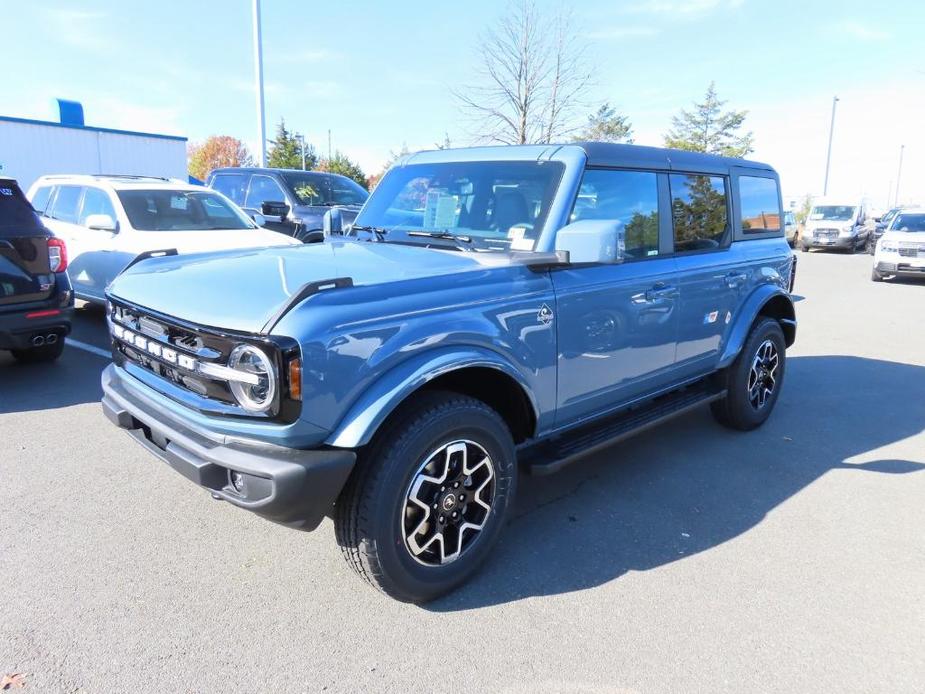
(162, 347)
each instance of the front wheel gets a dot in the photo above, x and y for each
(875, 276)
(429, 497)
(754, 380)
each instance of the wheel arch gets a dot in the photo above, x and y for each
(476, 372)
(766, 302)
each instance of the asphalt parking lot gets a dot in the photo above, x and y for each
(688, 559)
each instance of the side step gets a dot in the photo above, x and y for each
(551, 456)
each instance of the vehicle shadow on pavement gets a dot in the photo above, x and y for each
(691, 485)
(72, 380)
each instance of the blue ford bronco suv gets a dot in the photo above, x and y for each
(491, 311)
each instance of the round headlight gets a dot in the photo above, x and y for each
(256, 392)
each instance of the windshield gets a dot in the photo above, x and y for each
(498, 205)
(888, 217)
(181, 210)
(908, 222)
(321, 189)
(832, 213)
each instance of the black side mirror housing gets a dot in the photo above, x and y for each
(274, 208)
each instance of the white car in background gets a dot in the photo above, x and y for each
(900, 251)
(108, 221)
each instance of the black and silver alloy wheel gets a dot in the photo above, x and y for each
(448, 502)
(762, 377)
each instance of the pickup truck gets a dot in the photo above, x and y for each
(491, 312)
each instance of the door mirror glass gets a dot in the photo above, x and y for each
(274, 208)
(593, 241)
(101, 222)
(333, 222)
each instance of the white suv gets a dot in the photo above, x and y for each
(108, 221)
(901, 249)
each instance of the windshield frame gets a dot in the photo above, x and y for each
(237, 212)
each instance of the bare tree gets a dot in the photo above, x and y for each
(533, 77)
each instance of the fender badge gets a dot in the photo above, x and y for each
(544, 315)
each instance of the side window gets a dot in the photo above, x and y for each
(627, 196)
(64, 208)
(232, 186)
(759, 200)
(699, 211)
(263, 189)
(95, 201)
(40, 199)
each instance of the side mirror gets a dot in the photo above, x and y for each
(258, 218)
(593, 241)
(333, 222)
(101, 222)
(274, 208)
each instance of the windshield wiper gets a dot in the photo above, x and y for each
(442, 235)
(380, 232)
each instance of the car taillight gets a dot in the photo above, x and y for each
(57, 255)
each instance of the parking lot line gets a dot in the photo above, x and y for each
(89, 348)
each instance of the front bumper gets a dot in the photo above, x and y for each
(910, 267)
(293, 487)
(840, 242)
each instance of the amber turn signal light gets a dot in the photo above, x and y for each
(295, 379)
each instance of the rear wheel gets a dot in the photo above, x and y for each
(754, 380)
(429, 497)
(35, 355)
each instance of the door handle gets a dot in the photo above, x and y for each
(661, 291)
(735, 279)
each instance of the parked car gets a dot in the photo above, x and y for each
(790, 227)
(901, 250)
(476, 317)
(293, 202)
(880, 226)
(835, 223)
(36, 300)
(109, 221)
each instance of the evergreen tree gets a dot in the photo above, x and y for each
(708, 129)
(606, 125)
(340, 164)
(286, 150)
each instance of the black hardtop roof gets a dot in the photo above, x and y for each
(610, 154)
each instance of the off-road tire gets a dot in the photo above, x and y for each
(35, 355)
(736, 411)
(368, 515)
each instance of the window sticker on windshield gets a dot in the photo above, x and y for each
(519, 242)
(440, 210)
(178, 202)
(818, 215)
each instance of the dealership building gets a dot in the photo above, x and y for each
(32, 148)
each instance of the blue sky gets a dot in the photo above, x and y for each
(379, 74)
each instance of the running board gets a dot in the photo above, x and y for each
(551, 456)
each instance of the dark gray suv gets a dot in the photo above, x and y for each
(291, 201)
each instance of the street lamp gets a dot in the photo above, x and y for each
(301, 139)
(258, 76)
(828, 156)
(899, 174)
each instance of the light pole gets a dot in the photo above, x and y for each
(899, 174)
(258, 76)
(828, 156)
(301, 139)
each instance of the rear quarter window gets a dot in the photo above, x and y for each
(759, 200)
(15, 210)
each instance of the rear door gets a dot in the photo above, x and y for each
(25, 274)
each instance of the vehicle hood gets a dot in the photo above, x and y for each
(241, 290)
(904, 236)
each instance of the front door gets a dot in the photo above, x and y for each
(617, 324)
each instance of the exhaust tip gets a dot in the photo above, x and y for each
(38, 340)
(51, 338)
